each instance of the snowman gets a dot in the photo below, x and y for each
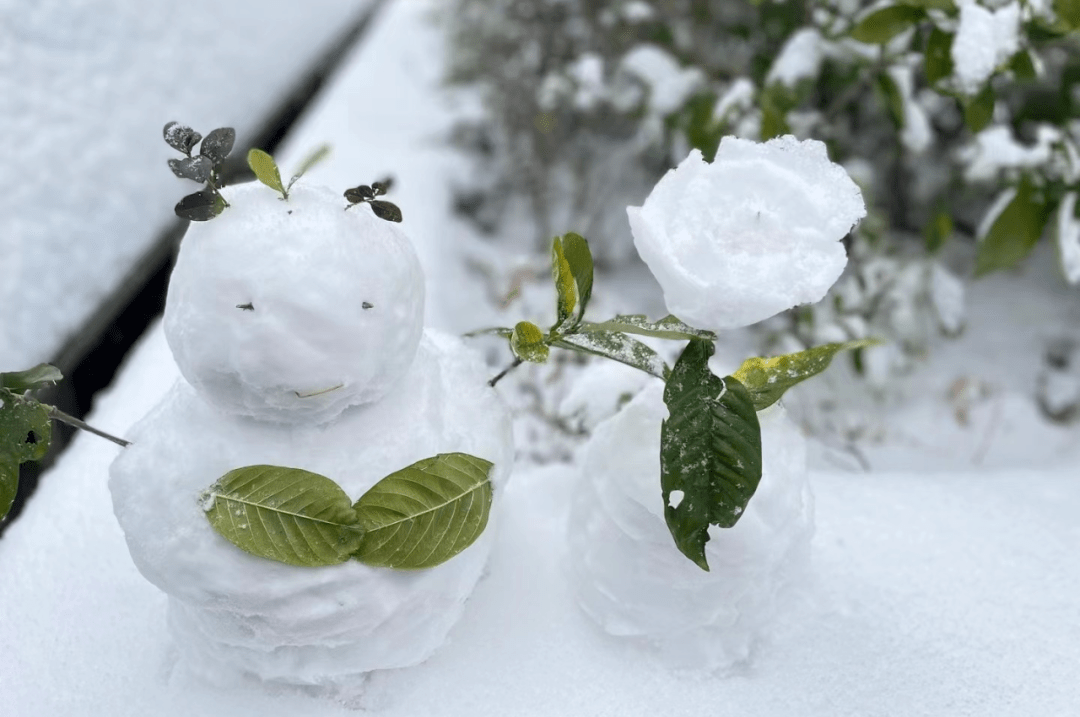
(298, 330)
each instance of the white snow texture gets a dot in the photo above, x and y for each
(632, 580)
(755, 232)
(984, 40)
(233, 614)
(335, 297)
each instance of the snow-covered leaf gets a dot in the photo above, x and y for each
(25, 428)
(527, 342)
(766, 379)
(266, 170)
(425, 514)
(882, 25)
(218, 144)
(1015, 230)
(31, 379)
(668, 327)
(180, 137)
(197, 169)
(618, 347)
(285, 514)
(710, 451)
(200, 206)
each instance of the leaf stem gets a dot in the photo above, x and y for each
(517, 362)
(57, 415)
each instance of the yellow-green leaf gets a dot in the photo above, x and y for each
(575, 249)
(768, 378)
(618, 347)
(527, 342)
(266, 170)
(565, 288)
(426, 513)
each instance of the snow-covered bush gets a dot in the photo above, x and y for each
(958, 118)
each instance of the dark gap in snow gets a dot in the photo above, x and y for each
(91, 358)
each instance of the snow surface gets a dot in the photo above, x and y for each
(930, 592)
(293, 310)
(752, 233)
(87, 87)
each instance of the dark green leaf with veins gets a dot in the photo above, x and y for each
(426, 513)
(710, 451)
(25, 433)
(218, 144)
(285, 514)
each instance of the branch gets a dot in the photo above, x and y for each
(57, 415)
(517, 362)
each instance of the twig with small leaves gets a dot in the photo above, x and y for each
(203, 168)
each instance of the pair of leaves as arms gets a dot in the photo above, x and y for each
(25, 426)
(710, 444)
(204, 168)
(417, 517)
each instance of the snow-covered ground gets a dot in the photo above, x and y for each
(946, 591)
(86, 89)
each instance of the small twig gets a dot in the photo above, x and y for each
(517, 362)
(57, 415)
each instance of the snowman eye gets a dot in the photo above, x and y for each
(366, 305)
(246, 307)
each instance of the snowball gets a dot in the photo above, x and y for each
(231, 613)
(984, 40)
(631, 579)
(1068, 238)
(336, 305)
(995, 149)
(800, 58)
(669, 84)
(755, 232)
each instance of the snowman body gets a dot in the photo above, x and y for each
(631, 579)
(396, 395)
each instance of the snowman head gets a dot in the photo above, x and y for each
(291, 311)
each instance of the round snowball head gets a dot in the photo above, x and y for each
(291, 311)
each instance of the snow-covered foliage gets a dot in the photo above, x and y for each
(752, 233)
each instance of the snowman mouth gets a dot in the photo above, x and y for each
(318, 393)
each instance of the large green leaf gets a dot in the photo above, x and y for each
(883, 25)
(1015, 231)
(618, 347)
(527, 342)
(25, 428)
(425, 514)
(766, 379)
(9, 484)
(710, 451)
(938, 58)
(31, 379)
(668, 327)
(266, 170)
(285, 514)
(1069, 12)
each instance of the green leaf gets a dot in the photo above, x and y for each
(25, 428)
(1015, 231)
(385, 210)
(938, 230)
(618, 347)
(946, 5)
(668, 327)
(527, 342)
(318, 155)
(425, 514)
(979, 110)
(775, 102)
(200, 206)
(1023, 66)
(1069, 12)
(565, 287)
(939, 62)
(266, 170)
(218, 144)
(289, 515)
(9, 484)
(180, 137)
(575, 250)
(31, 379)
(883, 25)
(891, 98)
(197, 169)
(766, 379)
(710, 451)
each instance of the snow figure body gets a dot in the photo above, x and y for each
(298, 329)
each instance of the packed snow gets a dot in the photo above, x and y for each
(927, 591)
(752, 233)
(294, 310)
(87, 88)
(985, 39)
